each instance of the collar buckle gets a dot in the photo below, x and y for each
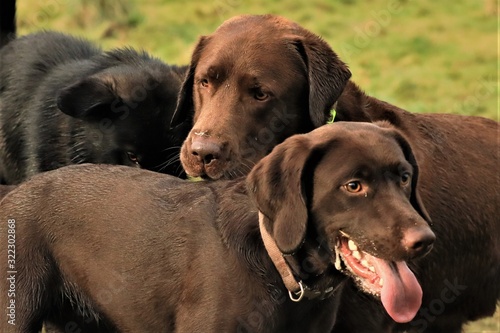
(297, 290)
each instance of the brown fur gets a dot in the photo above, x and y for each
(137, 251)
(458, 158)
(227, 138)
(302, 78)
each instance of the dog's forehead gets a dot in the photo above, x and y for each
(255, 65)
(258, 23)
(359, 143)
(259, 53)
(258, 43)
(351, 130)
(265, 32)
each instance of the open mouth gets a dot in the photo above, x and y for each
(392, 281)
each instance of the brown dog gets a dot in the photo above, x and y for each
(259, 79)
(118, 248)
(245, 104)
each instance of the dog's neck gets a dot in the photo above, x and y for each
(245, 237)
(241, 234)
(294, 280)
(354, 105)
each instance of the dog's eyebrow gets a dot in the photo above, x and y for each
(213, 72)
(362, 172)
(395, 170)
(366, 171)
(400, 167)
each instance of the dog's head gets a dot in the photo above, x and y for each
(350, 188)
(251, 84)
(125, 111)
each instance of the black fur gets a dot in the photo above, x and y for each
(65, 101)
(7, 21)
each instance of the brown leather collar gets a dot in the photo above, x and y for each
(297, 290)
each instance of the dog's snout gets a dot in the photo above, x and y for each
(418, 241)
(206, 149)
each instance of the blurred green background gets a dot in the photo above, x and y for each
(424, 56)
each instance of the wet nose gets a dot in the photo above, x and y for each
(206, 149)
(418, 241)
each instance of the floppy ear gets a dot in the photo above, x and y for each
(277, 186)
(185, 108)
(88, 99)
(415, 199)
(327, 74)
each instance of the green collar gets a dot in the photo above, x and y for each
(333, 113)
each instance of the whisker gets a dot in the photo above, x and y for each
(170, 148)
(181, 171)
(248, 164)
(172, 161)
(169, 161)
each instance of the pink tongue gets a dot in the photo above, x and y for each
(401, 293)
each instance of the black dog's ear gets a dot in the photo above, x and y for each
(90, 98)
(185, 107)
(277, 186)
(415, 199)
(327, 74)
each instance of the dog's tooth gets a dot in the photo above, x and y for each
(371, 268)
(381, 282)
(352, 246)
(364, 263)
(356, 254)
(337, 261)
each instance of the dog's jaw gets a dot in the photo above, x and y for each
(391, 281)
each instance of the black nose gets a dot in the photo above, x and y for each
(418, 241)
(206, 149)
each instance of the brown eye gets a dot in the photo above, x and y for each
(133, 157)
(405, 178)
(353, 186)
(204, 83)
(260, 95)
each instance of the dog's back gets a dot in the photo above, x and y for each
(27, 61)
(25, 66)
(152, 253)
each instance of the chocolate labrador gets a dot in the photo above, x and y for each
(258, 79)
(65, 101)
(246, 103)
(131, 250)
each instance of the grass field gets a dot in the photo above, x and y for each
(424, 56)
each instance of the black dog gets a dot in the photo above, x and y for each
(7, 21)
(64, 101)
(110, 243)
